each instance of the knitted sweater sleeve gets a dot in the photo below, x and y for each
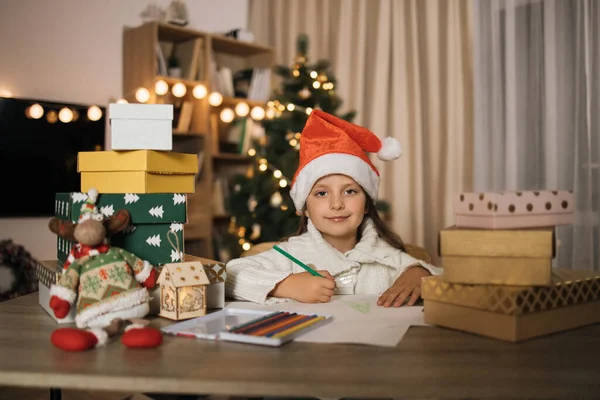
(407, 261)
(67, 286)
(253, 278)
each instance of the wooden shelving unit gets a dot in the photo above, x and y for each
(140, 70)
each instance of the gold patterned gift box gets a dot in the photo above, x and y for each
(514, 313)
(48, 272)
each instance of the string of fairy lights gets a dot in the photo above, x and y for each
(65, 114)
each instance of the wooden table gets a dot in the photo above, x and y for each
(429, 362)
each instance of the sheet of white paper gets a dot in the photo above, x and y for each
(357, 319)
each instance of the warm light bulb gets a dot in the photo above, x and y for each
(276, 199)
(316, 84)
(257, 113)
(262, 167)
(283, 183)
(242, 109)
(227, 115)
(179, 89)
(200, 91)
(246, 246)
(313, 74)
(296, 73)
(308, 110)
(293, 142)
(161, 87)
(252, 152)
(142, 95)
(51, 116)
(36, 111)
(65, 115)
(94, 113)
(291, 107)
(270, 114)
(122, 101)
(215, 99)
(277, 174)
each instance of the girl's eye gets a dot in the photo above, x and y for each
(320, 193)
(351, 191)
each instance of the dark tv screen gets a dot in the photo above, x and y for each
(38, 158)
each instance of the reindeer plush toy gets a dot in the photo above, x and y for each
(107, 285)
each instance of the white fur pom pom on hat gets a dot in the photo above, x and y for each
(93, 195)
(390, 149)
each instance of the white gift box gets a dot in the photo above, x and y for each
(48, 272)
(141, 126)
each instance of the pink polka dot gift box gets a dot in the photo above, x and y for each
(514, 209)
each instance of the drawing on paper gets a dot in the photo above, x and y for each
(360, 307)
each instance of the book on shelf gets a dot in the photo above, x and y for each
(187, 53)
(220, 195)
(161, 61)
(182, 117)
(253, 84)
(240, 135)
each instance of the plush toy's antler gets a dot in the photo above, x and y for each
(62, 228)
(117, 222)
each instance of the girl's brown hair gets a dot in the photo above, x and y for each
(381, 228)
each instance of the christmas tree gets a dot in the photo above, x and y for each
(260, 204)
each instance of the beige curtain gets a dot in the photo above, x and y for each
(405, 66)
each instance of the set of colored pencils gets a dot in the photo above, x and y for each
(276, 325)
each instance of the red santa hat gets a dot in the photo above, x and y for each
(330, 145)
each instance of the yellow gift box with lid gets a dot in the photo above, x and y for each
(138, 171)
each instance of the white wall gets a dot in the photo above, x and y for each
(71, 51)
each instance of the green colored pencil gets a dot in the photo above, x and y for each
(300, 263)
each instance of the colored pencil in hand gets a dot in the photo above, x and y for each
(300, 263)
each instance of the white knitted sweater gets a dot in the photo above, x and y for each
(371, 267)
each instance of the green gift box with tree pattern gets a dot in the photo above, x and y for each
(153, 215)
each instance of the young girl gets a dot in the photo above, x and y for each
(340, 233)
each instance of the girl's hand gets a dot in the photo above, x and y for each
(306, 288)
(407, 284)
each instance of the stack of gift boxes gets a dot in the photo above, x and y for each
(498, 279)
(140, 174)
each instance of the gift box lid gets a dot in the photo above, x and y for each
(144, 208)
(140, 111)
(511, 203)
(48, 272)
(569, 287)
(153, 161)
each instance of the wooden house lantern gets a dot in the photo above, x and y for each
(183, 290)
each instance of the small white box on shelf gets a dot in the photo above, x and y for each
(141, 126)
